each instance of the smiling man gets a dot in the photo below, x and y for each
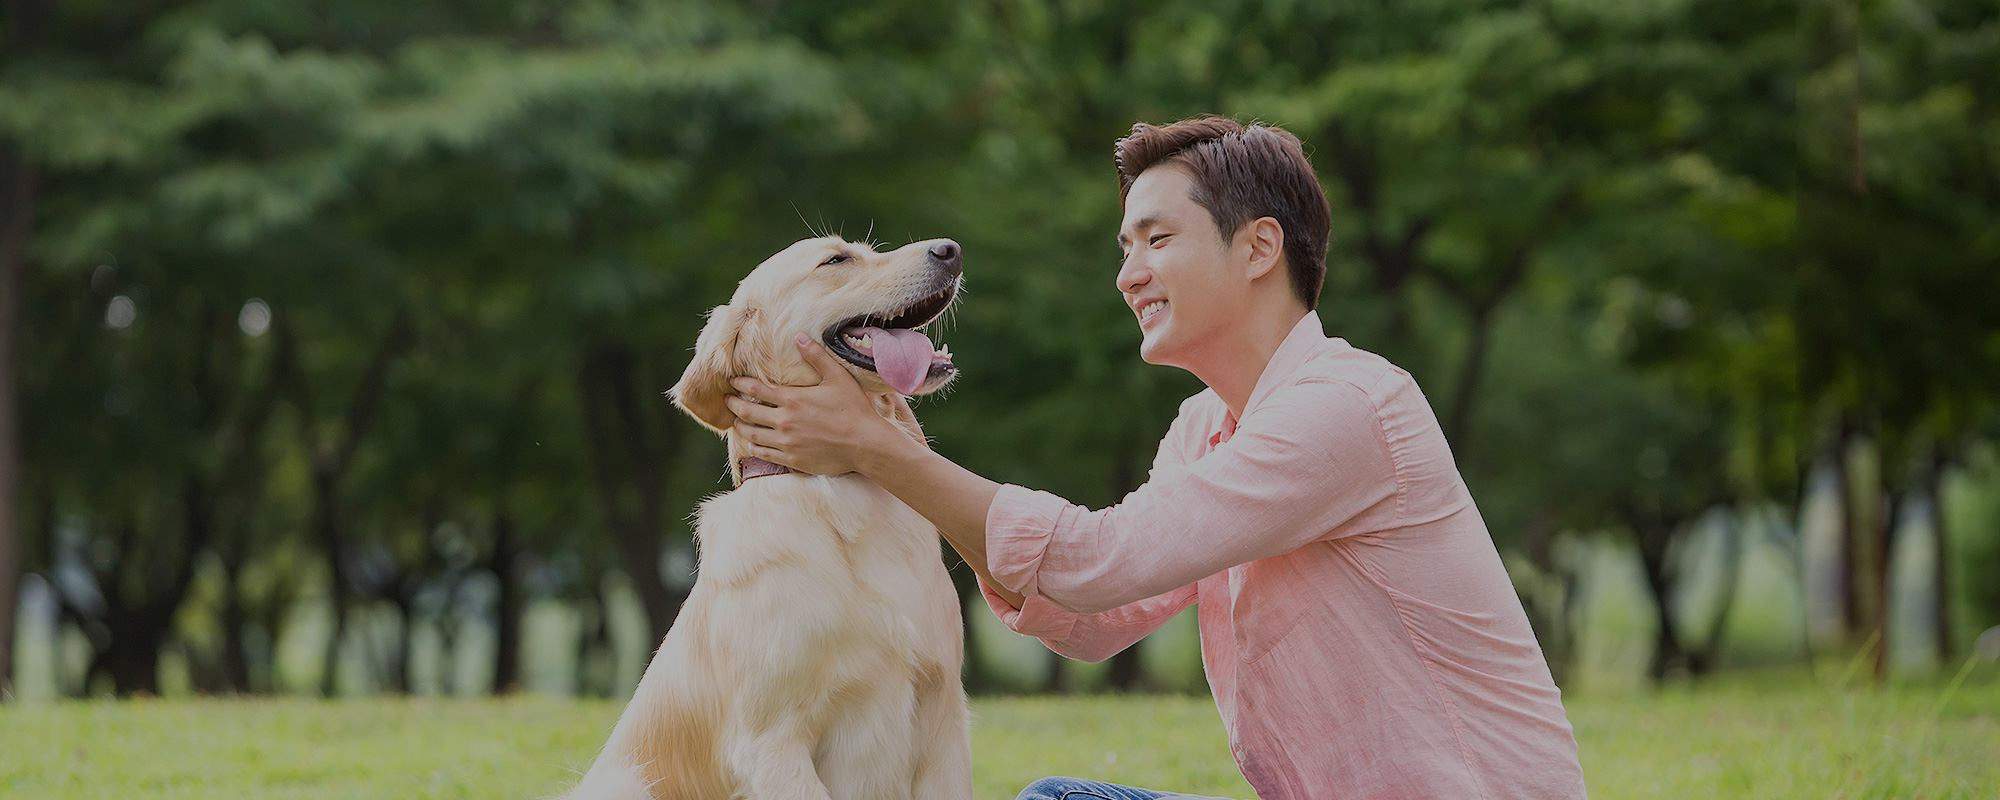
(1358, 630)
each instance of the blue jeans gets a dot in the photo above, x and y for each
(1079, 789)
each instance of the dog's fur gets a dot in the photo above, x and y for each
(818, 655)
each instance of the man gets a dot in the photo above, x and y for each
(1358, 629)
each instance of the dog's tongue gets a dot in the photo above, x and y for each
(902, 357)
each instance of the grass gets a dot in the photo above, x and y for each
(1747, 738)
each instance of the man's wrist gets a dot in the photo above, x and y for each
(890, 456)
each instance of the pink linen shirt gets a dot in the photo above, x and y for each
(1358, 630)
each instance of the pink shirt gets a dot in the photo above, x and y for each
(1358, 630)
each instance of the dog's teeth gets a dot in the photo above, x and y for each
(868, 341)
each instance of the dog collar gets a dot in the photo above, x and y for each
(753, 467)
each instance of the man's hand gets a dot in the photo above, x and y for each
(829, 428)
(832, 428)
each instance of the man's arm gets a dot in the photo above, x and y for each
(1311, 461)
(1314, 457)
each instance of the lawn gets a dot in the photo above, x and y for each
(1747, 738)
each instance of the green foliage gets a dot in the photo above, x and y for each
(1614, 241)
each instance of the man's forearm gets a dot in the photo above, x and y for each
(953, 498)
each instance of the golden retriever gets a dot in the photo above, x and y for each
(818, 655)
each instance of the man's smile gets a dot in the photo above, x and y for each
(1148, 309)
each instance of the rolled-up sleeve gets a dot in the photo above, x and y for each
(1089, 637)
(1029, 518)
(1311, 458)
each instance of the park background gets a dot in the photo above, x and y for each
(334, 337)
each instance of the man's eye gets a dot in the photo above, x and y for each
(1157, 238)
(838, 259)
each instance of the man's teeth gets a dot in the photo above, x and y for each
(1148, 310)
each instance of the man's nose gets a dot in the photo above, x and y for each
(1133, 274)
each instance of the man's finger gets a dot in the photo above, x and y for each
(823, 361)
(753, 413)
(754, 389)
(768, 454)
(747, 432)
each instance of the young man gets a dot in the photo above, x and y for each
(1358, 630)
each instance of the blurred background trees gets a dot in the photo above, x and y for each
(333, 336)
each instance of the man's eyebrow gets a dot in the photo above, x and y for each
(1142, 224)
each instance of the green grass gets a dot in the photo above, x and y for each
(1750, 738)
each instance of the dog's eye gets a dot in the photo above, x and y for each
(838, 258)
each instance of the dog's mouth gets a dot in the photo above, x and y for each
(892, 344)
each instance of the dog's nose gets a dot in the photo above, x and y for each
(945, 253)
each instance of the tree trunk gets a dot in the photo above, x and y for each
(1058, 679)
(593, 646)
(1704, 660)
(398, 675)
(1941, 585)
(271, 619)
(1550, 600)
(140, 624)
(1653, 537)
(17, 192)
(970, 603)
(448, 622)
(1843, 490)
(1125, 674)
(19, 181)
(234, 659)
(326, 533)
(1885, 532)
(133, 663)
(1458, 425)
(330, 458)
(141, 593)
(505, 564)
(1861, 509)
(621, 444)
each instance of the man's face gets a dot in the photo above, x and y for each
(1177, 277)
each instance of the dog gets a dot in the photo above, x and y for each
(818, 655)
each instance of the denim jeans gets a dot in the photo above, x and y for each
(1079, 789)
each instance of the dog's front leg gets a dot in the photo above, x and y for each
(944, 764)
(776, 764)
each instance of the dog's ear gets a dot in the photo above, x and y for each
(706, 381)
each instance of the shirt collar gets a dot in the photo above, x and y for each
(1306, 338)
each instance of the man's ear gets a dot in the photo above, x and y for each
(706, 381)
(1267, 245)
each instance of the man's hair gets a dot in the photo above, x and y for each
(1242, 173)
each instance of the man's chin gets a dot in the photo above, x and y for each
(1154, 349)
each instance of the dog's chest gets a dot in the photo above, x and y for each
(841, 563)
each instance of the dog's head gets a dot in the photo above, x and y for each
(867, 308)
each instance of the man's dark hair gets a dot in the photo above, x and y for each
(1242, 173)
